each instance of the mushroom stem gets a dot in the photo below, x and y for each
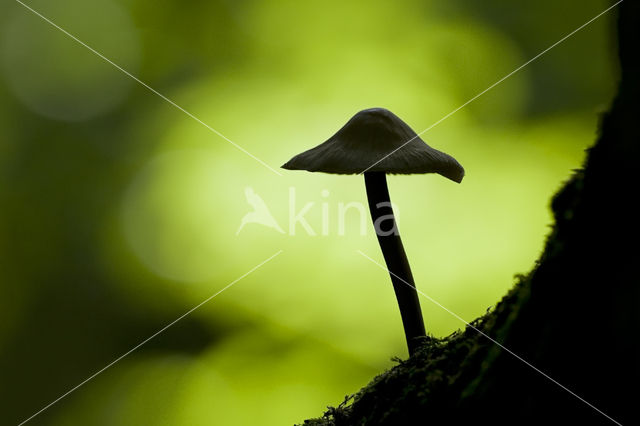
(395, 257)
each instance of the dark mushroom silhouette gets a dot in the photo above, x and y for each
(376, 142)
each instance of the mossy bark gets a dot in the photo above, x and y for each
(575, 317)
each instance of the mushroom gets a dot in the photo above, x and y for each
(375, 142)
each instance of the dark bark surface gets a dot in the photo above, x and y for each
(575, 317)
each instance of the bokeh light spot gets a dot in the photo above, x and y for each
(52, 74)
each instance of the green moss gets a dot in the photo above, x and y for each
(440, 368)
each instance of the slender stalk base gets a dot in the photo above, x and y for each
(396, 259)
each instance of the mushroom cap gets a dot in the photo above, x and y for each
(376, 140)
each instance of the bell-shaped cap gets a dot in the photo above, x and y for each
(376, 140)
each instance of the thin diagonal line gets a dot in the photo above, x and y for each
(148, 87)
(148, 339)
(494, 341)
(496, 83)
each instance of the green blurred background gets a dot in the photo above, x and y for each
(119, 212)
